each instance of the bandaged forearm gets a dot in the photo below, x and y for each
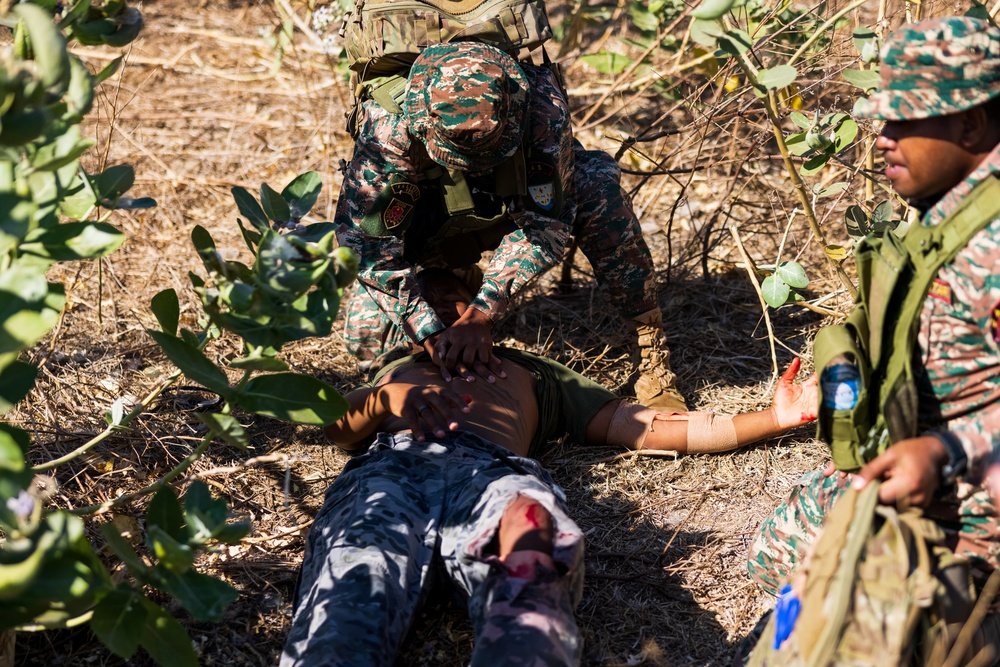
(637, 427)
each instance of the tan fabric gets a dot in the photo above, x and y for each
(629, 425)
(709, 432)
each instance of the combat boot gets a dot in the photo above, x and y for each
(656, 385)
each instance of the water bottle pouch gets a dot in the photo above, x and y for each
(843, 430)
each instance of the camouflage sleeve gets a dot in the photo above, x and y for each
(381, 158)
(960, 335)
(544, 217)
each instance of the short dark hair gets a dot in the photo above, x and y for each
(440, 278)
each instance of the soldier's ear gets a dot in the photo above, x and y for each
(978, 133)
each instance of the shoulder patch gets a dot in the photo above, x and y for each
(544, 187)
(940, 290)
(392, 211)
(995, 322)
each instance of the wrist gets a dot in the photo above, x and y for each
(949, 455)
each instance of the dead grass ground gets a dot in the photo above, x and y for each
(204, 105)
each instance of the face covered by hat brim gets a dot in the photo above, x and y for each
(467, 103)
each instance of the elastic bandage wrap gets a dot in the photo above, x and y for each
(709, 432)
(630, 424)
(706, 431)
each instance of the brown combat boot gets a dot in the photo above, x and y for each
(656, 386)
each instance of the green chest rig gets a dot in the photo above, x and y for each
(894, 276)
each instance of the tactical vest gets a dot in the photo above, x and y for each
(894, 276)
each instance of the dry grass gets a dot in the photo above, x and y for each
(203, 106)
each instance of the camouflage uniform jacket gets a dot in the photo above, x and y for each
(389, 163)
(959, 336)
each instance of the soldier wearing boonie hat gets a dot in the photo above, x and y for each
(475, 153)
(939, 96)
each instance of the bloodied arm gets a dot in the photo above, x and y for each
(636, 427)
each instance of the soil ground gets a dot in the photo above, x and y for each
(204, 104)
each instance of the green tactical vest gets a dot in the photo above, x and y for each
(894, 276)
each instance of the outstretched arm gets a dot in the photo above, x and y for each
(702, 432)
(422, 409)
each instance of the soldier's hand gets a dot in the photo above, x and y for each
(466, 349)
(794, 404)
(910, 471)
(425, 409)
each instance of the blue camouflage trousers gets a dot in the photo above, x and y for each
(406, 513)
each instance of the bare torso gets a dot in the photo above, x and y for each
(504, 412)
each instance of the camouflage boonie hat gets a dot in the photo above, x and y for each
(934, 68)
(467, 103)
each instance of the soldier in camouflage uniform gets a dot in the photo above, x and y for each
(940, 98)
(480, 157)
(448, 491)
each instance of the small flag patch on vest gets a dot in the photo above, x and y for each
(395, 213)
(940, 290)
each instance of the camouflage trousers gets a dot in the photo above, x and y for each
(785, 536)
(606, 230)
(405, 514)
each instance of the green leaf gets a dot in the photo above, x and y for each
(292, 397)
(165, 640)
(856, 221)
(735, 42)
(302, 193)
(130, 204)
(114, 181)
(813, 165)
(166, 513)
(268, 364)
(706, 33)
(865, 79)
(193, 363)
(830, 190)
(225, 427)
(802, 120)
(250, 236)
(232, 533)
(777, 77)
(16, 380)
(203, 596)
(205, 514)
(837, 253)
(274, 204)
(118, 621)
(882, 213)
(124, 551)
(48, 46)
(174, 555)
(29, 307)
(793, 274)
(607, 62)
(72, 241)
(846, 132)
(167, 310)
(14, 444)
(250, 209)
(796, 144)
(775, 291)
(108, 71)
(861, 36)
(710, 10)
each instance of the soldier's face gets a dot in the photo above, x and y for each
(925, 158)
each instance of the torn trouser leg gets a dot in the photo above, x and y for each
(393, 513)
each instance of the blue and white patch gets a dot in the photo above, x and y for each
(543, 195)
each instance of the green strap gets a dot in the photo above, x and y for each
(457, 196)
(388, 91)
(929, 249)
